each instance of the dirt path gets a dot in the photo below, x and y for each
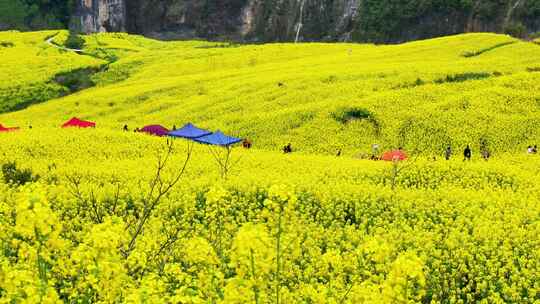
(51, 42)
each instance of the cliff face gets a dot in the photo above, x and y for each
(307, 20)
(93, 16)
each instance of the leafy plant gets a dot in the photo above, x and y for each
(17, 176)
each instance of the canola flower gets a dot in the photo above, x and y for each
(300, 228)
(297, 228)
(321, 97)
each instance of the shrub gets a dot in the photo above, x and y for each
(76, 80)
(16, 176)
(517, 30)
(534, 36)
(6, 44)
(462, 77)
(347, 114)
(74, 41)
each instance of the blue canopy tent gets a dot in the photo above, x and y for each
(218, 139)
(189, 131)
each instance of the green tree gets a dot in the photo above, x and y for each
(12, 14)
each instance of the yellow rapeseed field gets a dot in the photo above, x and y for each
(106, 216)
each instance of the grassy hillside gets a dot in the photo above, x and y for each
(29, 67)
(95, 215)
(320, 97)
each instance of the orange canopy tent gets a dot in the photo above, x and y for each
(394, 155)
(4, 129)
(75, 122)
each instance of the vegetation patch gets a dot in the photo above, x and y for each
(517, 30)
(6, 44)
(475, 53)
(345, 115)
(418, 82)
(533, 69)
(78, 79)
(16, 176)
(220, 46)
(463, 77)
(74, 41)
(330, 79)
(20, 97)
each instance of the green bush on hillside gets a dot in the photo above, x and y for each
(348, 114)
(517, 30)
(74, 41)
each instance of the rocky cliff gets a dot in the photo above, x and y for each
(308, 20)
(92, 16)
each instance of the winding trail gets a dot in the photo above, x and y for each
(51, 42)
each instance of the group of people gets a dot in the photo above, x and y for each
(126, 129)
(467, 153)
(287, 149)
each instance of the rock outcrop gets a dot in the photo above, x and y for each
(307, 20)
(93, 16)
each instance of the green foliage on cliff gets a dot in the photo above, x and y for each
(388, 20)
(35, 14)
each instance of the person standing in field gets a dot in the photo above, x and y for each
(374, 151)
(467, 153)
(246, 143)
(485, 154)
(484, 151)
(126, 128)
(448, 153)
(287, 148)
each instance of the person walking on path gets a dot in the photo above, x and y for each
(448, 153)
(467, 153)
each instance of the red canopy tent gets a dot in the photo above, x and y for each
(394, 155)
(75, 122)
(4, 129)
(155, 130)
